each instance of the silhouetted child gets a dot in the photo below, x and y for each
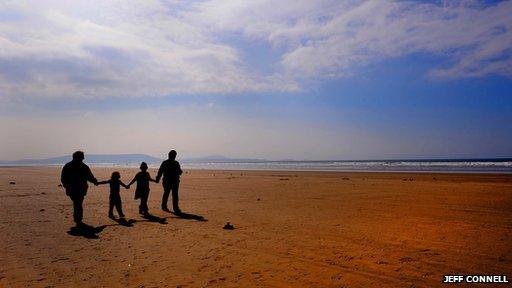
(115, 198)
(142, 190)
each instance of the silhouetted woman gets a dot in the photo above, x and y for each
(115, 198)
(142, 191)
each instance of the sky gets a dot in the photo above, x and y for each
(289, 79)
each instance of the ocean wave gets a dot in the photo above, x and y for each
(413, 165)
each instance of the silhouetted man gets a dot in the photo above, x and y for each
(74, 178)
(171, 171)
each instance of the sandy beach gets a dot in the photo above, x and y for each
(293, 229)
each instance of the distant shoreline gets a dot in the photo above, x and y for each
(212, 169)
(482, 165)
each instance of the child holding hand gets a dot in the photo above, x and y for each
(142, 190)
(115, 198)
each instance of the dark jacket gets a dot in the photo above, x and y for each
(142, 189)
(74, 178)
(171, 171)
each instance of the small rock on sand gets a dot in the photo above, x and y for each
(228, 226)
(12, 183)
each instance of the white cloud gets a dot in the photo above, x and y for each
(329, 38)
(104, 48)
(91, 49)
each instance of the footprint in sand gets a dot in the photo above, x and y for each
(406, 260)
(256, 274)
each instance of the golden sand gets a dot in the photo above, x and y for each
(292, 229)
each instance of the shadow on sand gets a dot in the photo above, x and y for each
(153, 218)
(124, 222)
(87, 231)
(189, 216)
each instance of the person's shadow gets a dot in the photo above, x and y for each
(153, 218)
(124, 222)
(87, 231)
(189, 216)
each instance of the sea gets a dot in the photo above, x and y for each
(430, 165)
(501, 165)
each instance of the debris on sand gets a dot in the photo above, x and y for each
(284, 179)
(258, 199)
(43, 193)
(12, 183)
(228, 226)
(346, 178)
(42, 210)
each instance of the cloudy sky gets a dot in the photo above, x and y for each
(302, 79)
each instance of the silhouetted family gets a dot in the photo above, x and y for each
(76, 175)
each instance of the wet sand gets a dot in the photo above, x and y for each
(292, 229)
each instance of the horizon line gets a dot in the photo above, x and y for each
(223, 157)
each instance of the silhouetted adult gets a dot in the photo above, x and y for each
(171, 171)
(74, 178)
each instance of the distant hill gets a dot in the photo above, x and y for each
(126, 159)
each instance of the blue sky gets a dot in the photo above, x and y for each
(312, 80)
